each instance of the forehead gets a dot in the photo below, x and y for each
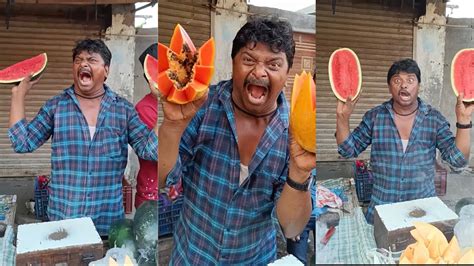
(259, 49)
(87, 54)
(404, 74)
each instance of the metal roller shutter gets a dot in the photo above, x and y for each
(28, 36)
(379, 36)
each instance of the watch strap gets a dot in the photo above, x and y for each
(464, 125)
(299, 186)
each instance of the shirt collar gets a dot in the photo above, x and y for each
(423, 107)
(109, 94)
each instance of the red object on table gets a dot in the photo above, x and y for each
(328, 235)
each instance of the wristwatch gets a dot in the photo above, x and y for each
(464, 125)
(300, 186)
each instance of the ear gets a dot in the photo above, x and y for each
(106, 68)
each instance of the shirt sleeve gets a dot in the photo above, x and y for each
(27, 137)
(445, 142)
(359, 139)
(278, 185)
(143, 140)
(186, 150)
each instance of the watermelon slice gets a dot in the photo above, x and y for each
(17, 72)
(150, 67)
(345, 74)
(462, 74)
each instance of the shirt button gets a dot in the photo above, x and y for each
(88, 195)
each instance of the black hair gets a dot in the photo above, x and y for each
(93, 46)
(151, 50)
(405, 65)
(272, 31)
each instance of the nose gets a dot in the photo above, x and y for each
(404, 84)
(259, 71)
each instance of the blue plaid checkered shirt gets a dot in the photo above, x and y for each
(86, 176)
(223, 222)
(401, 176)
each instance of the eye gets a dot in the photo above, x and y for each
(411, 80)
(397, 80)
(274, 66)
(247, 60)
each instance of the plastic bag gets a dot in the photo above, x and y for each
(118, 254)
(464, 229)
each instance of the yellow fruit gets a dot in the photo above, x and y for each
(303, 111)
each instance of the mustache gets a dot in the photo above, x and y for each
(257, 82)
(84, 69)
(403, 91)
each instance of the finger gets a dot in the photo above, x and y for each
(460, 98)
(36, 80)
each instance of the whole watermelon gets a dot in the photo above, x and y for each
(145, 225)
(121, 234)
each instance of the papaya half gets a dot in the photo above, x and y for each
(303, 111)
(182, 73)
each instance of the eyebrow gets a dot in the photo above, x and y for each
(272, 58)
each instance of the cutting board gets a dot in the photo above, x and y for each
(393, 222)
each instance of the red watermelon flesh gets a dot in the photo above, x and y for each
(151, 70)
(17, 72)
(462, 74)
(345, 74)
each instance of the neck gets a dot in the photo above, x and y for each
(242, 111)
(90, 96)
(405, 110)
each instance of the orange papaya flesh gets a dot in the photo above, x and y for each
(303, 112)
(184, 72)
(180, 41)
(207, 53)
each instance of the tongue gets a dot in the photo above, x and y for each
(256, 91)
(85, 77)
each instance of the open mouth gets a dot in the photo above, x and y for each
(404, 95)
(85, 76)
(257, 94)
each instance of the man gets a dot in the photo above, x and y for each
(404, 133)
(233, 156)
(90, 127)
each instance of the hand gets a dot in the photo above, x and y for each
(25, 85)
(463, 110)
(345, 109)
(301, 161)
(181, 114)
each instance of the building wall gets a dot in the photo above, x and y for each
(226, 20)
(429, 46)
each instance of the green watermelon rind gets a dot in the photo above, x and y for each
(453, 79)
(146, 216)
(36, 73)
(338, 96)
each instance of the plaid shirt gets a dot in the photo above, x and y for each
(401, 176)
(223, 222)
(86, 176)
